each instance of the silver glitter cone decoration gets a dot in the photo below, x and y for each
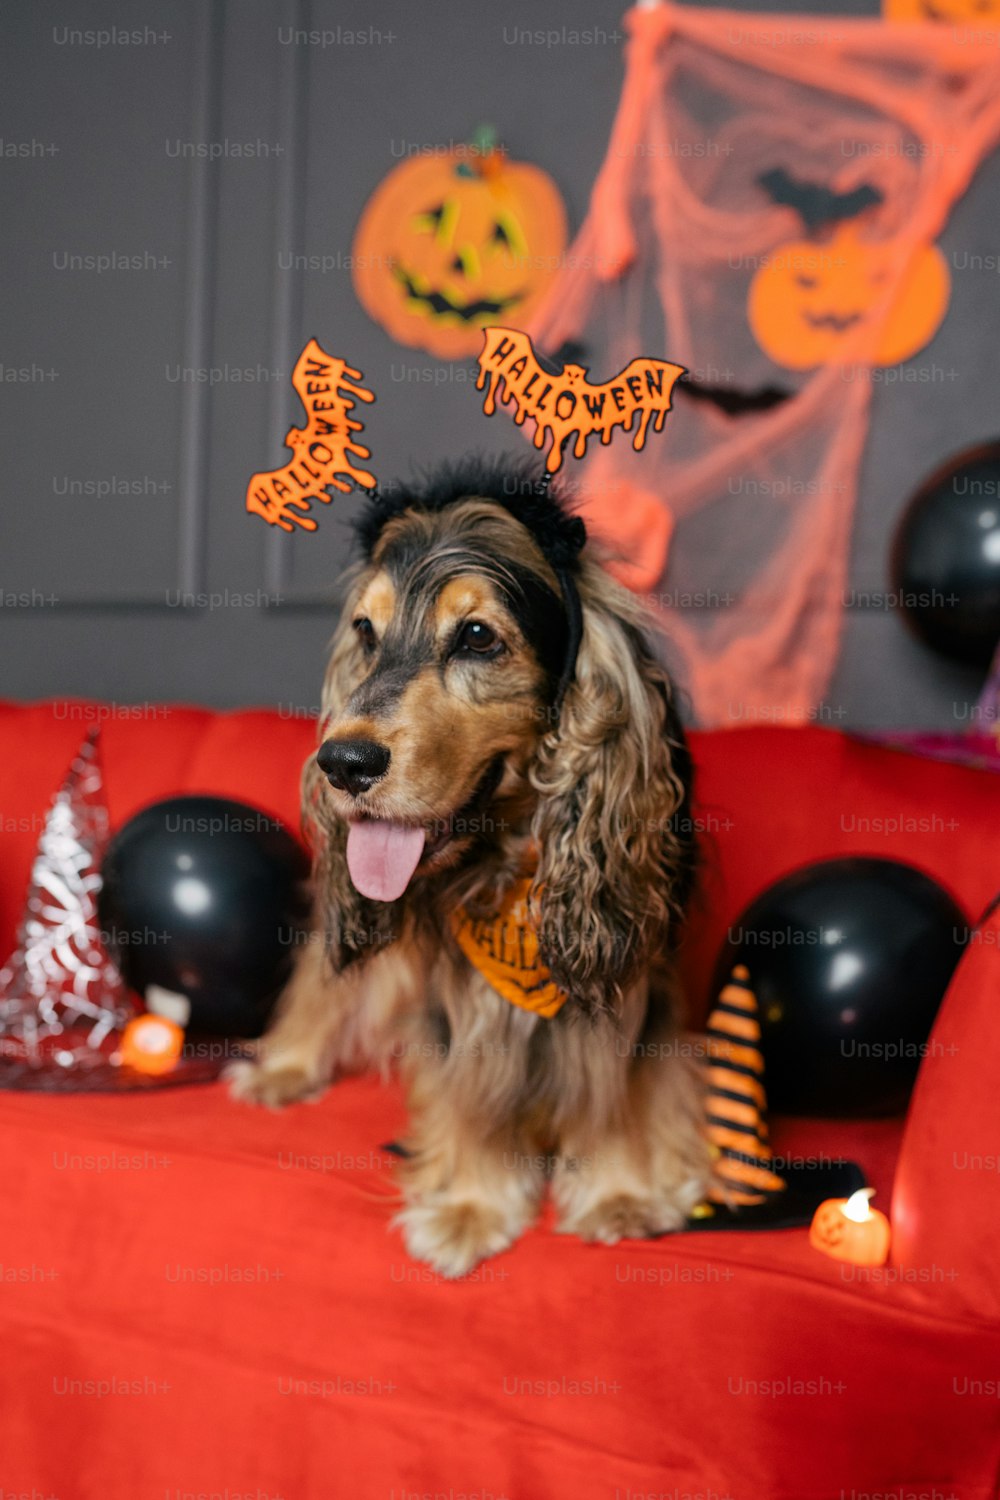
(61, 996)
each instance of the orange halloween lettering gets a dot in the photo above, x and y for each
(323, 451)
(568, 405)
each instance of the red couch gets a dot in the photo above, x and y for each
(204, 1299)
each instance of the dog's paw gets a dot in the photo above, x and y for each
(453, 1237)
(270, 1084)
(624, 1217)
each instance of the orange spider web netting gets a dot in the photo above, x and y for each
(738, 521)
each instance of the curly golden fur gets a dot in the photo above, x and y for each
(599, 1102)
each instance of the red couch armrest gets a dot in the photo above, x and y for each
(946, 1199)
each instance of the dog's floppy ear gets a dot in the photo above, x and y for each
(353, 926)
(612, 823)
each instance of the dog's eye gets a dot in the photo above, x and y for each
(476, 639)
(365, 633)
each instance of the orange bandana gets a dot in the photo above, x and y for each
(504, 948)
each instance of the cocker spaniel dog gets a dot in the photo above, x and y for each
(500, 815)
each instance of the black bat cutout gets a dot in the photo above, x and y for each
(814, 202)
(731, 400)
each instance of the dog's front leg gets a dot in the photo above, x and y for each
(633, 1160)
(473, 1175)
(467, 1197)
(326, 1023)
(295, 1058)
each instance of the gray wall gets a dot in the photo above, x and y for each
(89, 582)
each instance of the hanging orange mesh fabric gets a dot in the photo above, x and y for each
(694, 248)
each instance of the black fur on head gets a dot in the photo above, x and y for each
(517, 484)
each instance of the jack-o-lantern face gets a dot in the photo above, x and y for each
(829, 1226)
(449, 244)
(848, 1229)
(815, 302)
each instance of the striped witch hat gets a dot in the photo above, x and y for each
(736, 1104)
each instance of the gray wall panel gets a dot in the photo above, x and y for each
(327, 122)
(108, 264)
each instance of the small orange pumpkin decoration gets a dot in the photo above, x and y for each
(850, 1229)
(452, 242)
(813, 301)
(151, 1044)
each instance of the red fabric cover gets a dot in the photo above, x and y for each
(177, 1191)
(949, 1162)
(339, 1366)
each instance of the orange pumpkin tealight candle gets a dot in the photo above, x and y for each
(151, 1044)
(850, 1229)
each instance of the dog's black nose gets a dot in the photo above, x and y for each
(352, 765)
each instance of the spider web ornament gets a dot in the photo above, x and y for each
(757, 154)
(61, 996)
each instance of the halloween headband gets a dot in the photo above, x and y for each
(564, 405)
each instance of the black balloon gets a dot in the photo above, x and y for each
(849, 960)
(946, 557)
(206, 896)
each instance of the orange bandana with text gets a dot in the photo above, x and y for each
(504, 948)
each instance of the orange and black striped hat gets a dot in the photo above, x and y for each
(736, 1104)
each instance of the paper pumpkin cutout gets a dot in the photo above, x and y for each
(324, 450)
(568, 405)
(815, 302)
(449, 243)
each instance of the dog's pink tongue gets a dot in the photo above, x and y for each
(382, 857)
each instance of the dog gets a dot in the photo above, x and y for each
(500, 816)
